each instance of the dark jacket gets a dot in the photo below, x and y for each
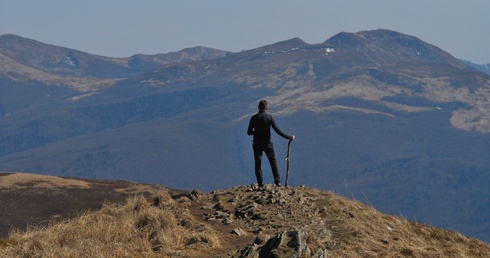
(260, 127)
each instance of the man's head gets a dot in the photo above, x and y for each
(263, 105)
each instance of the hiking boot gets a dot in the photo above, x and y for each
(258, 187)
(278, 184)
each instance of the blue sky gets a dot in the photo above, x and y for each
(121, 28)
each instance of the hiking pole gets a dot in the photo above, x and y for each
(287, 160)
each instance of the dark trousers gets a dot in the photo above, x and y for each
(268, 149)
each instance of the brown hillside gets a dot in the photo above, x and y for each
(242, 221)
(35, 200)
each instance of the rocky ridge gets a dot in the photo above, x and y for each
(242, 221)
(306, 222)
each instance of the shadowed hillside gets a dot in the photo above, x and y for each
(242, 221)
(36, 200)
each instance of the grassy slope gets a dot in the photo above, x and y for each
(200, 224)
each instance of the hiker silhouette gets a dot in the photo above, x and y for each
(260, 127)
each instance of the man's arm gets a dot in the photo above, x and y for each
(278, 131)
(250, 130)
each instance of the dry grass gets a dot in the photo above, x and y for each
(140, 228)
(365, 232)
(25, 180)
(187, 225)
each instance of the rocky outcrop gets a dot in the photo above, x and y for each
(270, 222)
(285, 222)
(289, 243)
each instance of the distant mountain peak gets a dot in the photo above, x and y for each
(6, 39)
(394, 45)
(285, 45)
(64, 61)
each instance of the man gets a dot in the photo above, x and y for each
(260, 127)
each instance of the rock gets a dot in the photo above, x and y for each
(249, 252)
(289, 243)
(195, 194)
(208, 206)
(239, 232)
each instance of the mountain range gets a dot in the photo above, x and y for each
(379, 116)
